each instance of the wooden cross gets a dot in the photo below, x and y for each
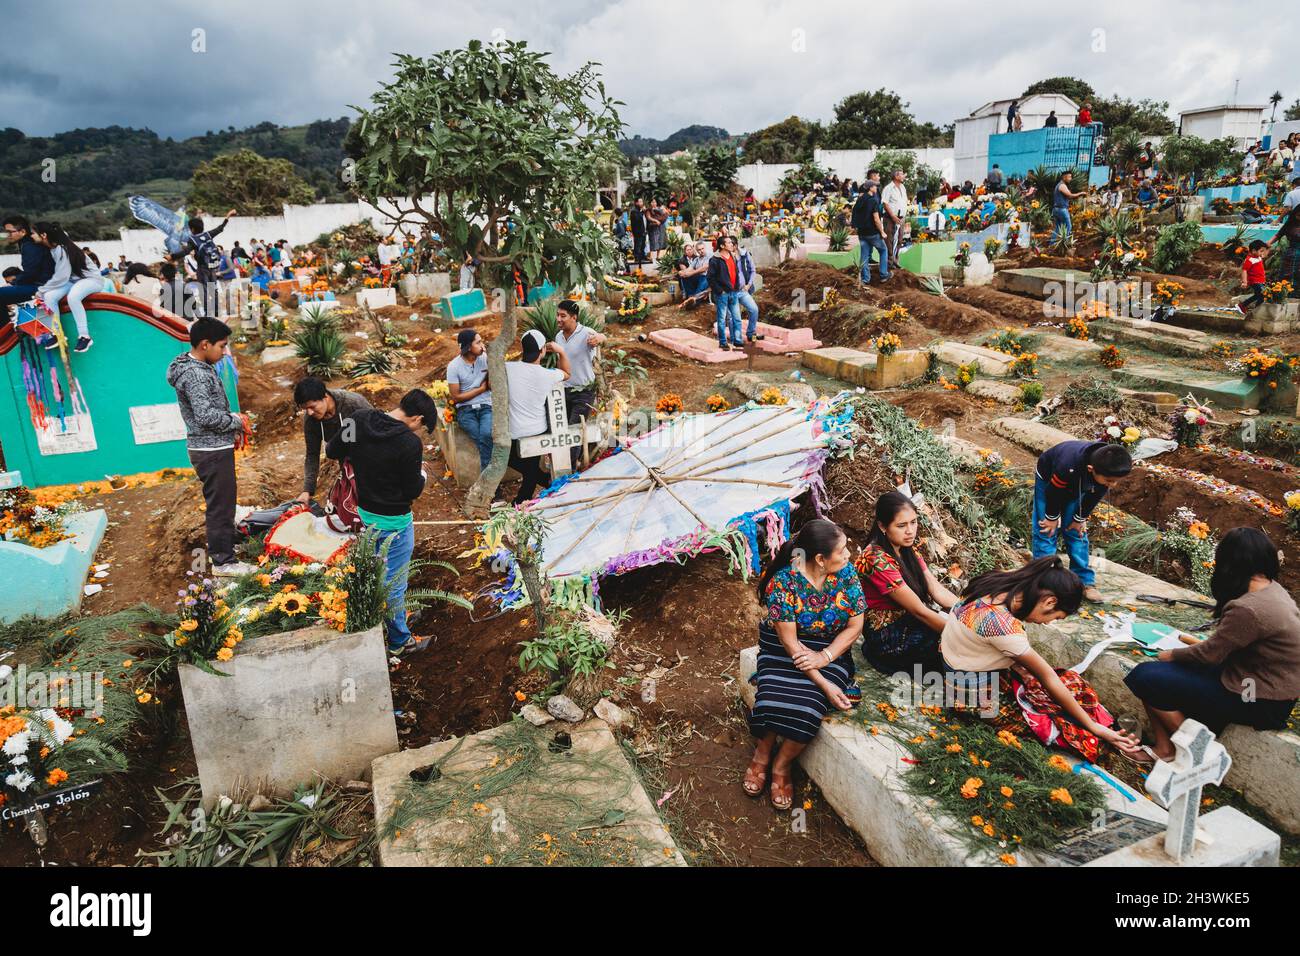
(1176, 784)
(562, 436)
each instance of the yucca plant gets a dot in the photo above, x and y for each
(545, 318)
(933, 284)
(839, 237)
(1120, 226)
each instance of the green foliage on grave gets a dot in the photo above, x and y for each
(912, 450)
(319, 825)
(321, 350)
(1176, 243)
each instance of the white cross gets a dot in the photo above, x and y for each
(1176, 784)
(561, 437)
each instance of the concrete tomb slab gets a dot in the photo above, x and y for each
(590, 766)
(693, 345)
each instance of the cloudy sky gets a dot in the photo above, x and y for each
(739, 64)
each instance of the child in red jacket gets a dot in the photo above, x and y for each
(1253, 277)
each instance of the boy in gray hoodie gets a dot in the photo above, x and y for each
(213, 431)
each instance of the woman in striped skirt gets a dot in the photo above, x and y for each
(814, 609)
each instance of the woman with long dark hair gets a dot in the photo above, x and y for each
(813, 608)
(1248, 670)
(902, 624)
(74, 278)
(984, 645)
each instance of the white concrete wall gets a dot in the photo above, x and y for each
(1242, 124)
(854, 163)
(763, 178)
(298, 224)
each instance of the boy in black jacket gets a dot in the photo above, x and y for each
(1069, 480)
(387, 460)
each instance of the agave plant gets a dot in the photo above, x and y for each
(317, 317)
(376, 360)
(1118, 225)
(933, 284)
(321, 350)
(839, 237)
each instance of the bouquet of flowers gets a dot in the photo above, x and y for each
(1110, 357)
(1272, 369)
(634, 306)
(1169, 292)
(1189, 421)
(771, 396)
(888, 344)
(669, 404)
(207, 631)
(1077, 328)
(37, 526)
(716, 403)
(1292, 501)
(1189, 536)
(1277, 292)
(1118, 432)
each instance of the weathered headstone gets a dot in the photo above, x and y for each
(292, 706)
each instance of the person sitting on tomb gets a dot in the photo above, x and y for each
(984, 649)
(1248, 670)
(693, 273)
(1146, 195)
(813, 607)
(902, 626)
(324, 412)
(1070, 479)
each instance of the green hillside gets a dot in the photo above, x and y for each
(94, 170)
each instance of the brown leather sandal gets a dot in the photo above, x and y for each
(755, 780)
(782, 794)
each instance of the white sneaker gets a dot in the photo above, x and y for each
(232, 570)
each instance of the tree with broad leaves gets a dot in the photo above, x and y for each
(497, 153)
(256, 185)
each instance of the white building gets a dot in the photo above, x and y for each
(971, 133)
(1241, 123)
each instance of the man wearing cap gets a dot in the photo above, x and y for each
(467, 383)
(529, 382)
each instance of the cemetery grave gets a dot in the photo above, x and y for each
(652, 778)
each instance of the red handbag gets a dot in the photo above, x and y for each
(341, 503)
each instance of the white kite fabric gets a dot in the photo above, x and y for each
(695, 484)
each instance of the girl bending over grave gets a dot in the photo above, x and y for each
(986, 654)
(1248, 670)
(902, 624)
(813, 607)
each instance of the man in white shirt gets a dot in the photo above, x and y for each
(529, 382)
(894, 199)
(1249, 166)
(1292, 199)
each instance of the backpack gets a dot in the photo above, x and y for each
(206, 253)
(341, 503)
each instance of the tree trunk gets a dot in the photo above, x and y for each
(532, 578)
(479, 497)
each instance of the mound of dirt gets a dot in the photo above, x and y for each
(1008, 309)
(1153, 498)
(946, 316)
(800, 281)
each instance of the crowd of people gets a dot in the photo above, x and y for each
(819, 601)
